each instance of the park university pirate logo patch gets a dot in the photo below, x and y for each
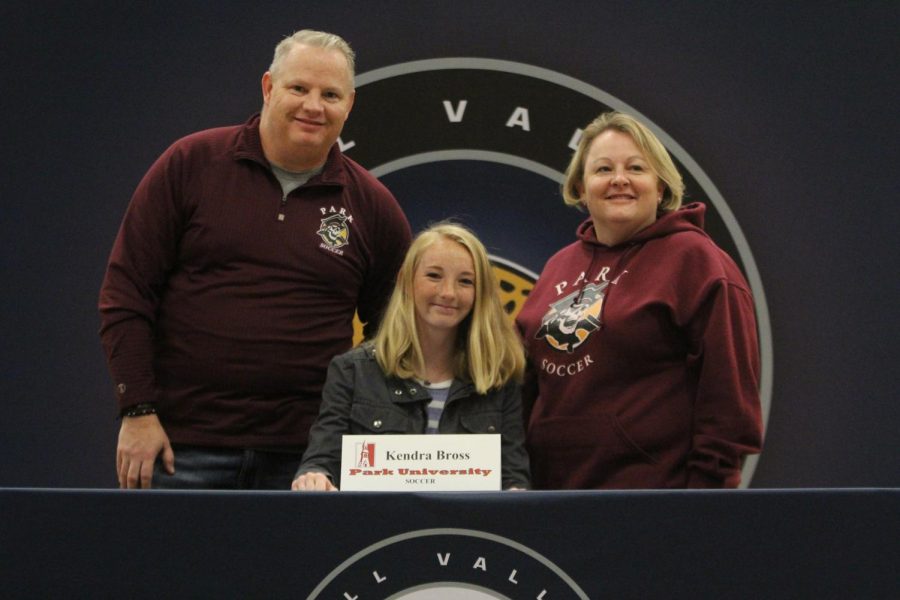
(439, 135)
(334, 231)
(571, 320)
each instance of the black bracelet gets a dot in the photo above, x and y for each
(139, 410)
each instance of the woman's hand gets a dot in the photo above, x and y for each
(313, 482)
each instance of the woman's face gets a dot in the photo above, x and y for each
(620, 190)
(443, 286)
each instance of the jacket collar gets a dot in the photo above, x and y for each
(248, 146)
(409, 390)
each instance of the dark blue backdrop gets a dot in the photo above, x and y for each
(789, 110)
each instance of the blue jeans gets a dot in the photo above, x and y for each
(200, 468)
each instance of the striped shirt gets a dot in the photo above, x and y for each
(438, 392)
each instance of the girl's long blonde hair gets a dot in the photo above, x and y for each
(488, 352)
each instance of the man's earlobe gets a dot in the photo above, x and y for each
(266, 84)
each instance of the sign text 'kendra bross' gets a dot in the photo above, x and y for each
(421, 462)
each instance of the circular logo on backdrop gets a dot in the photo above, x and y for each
(486, 142)
(448, 563)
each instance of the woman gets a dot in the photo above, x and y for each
(446, 359)
(641, 335)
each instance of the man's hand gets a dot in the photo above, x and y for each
(141, 439)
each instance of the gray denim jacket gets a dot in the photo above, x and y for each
(359, 399)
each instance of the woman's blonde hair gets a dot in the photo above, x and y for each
(488, 349)
(653, 150)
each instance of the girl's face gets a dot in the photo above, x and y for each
(443, 286)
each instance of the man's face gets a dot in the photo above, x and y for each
(306, 102)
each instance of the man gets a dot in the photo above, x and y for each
(234, 278)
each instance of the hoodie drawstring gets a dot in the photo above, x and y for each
(606, 289)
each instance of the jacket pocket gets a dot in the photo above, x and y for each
(367, 418)
(482, 422)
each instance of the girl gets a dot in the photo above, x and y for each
(446, 359)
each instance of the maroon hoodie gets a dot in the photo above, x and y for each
(643, 360)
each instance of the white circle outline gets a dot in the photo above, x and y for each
(731, 224)
(410, 535)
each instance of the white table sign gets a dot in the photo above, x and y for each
(423, 463)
